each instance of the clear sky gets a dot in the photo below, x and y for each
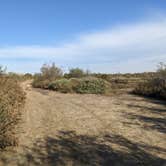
(100, 35)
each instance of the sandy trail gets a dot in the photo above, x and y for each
(73, 129)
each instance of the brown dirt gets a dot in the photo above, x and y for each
(74, 129)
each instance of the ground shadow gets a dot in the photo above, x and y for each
(68, 148)
(149, 99)
(145, 108)
(154, 123)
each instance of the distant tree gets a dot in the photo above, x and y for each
(51, 72)
(76, 73)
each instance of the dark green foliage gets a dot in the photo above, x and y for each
(62, 85)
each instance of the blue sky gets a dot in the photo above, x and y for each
(101, 35)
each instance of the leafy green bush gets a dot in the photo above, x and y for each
(11, 102)
(62, 85)
(80, 85)
(91, 85)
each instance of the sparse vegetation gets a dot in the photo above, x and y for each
(19, 77)
(11, 102)
(80, 85)
(79, 81)
(76, 73)
(48, 74)
(154, 86)
(48, 112)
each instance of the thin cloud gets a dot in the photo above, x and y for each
(140, 45)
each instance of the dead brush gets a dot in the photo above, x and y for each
(12, 99)
(154, 86)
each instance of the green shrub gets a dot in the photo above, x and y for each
(76, 81)
(80, 85)
(92, 85)
(62, 85)
(11, 102)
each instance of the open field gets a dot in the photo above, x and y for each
(83, 83)
(75, 129)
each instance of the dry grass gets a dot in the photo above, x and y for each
(11, 101)
(154, 86)
(74, 129)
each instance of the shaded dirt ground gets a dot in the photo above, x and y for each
(86, 130)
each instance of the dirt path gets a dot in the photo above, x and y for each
(73, 129)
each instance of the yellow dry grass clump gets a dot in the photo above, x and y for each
(12, 99)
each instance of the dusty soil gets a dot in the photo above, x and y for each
(73, 129)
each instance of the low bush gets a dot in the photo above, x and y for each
(92, 85)
(40, 82)
(11, 103)
(48, 74)
(62, 85)
(155, 86)
(76, 80)
(80, 85)
(19, 77)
